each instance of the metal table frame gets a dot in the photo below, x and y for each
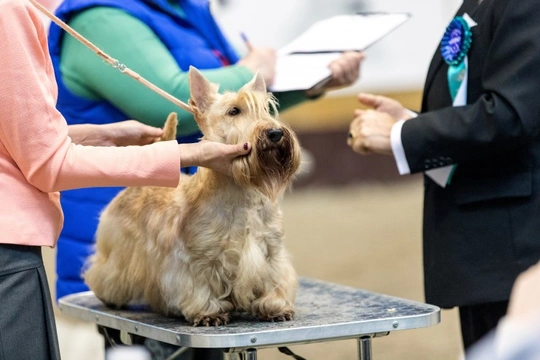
(324, 312)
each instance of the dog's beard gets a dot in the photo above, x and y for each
(270, 167)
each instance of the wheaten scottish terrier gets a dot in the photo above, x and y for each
(213, 246)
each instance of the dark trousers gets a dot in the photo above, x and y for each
(478, 320)
(27, 326)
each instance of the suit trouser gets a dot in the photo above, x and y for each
(478, 320)
(27, 326)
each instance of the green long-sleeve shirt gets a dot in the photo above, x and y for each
(129, 40)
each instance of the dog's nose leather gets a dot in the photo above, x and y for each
(274, 135)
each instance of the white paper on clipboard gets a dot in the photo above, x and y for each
(303, 62)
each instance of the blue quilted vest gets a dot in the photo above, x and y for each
(193, 39)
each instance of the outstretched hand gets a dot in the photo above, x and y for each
(131, 132)
(213, 155)
(124, 133)
(369, 132)
(384, 104)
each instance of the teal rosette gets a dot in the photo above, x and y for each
(456, 41)
(455, 45)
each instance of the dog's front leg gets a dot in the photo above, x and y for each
(193, 297)
(276, 303)
(205, 310)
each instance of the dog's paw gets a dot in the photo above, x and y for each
(211, 320)
(285, 316)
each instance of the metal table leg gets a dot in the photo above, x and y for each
(364, 348)
(249, 354)
(246, 354)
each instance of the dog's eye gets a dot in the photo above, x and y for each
(234, 111)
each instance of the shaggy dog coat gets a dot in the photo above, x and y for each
(212, 246)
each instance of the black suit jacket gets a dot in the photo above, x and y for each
(484, 229)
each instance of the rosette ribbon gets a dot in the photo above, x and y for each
(455, 45)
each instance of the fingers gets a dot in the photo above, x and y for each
(223, 162)
(346, 69)
(352, 67)
(350, 137)
(241, 149)
(356, 137)
(369, 132)
(358, 143)
(213, 155)
(341, 74)
(149, 134)
(131, 132)
(143, 129)
(384, 104)
(149, 140)
(369, 99)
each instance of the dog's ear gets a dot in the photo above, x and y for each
(202, 90)
(256, 84)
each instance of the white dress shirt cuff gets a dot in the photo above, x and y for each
(397, 148)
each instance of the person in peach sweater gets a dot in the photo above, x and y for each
(41, 155)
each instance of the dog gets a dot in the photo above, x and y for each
(213, 246)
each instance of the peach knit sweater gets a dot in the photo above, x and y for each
(37, 158)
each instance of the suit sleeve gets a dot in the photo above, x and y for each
(506, 114)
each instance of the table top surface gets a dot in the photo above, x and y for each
(324, 312)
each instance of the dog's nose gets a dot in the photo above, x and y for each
(274, 135)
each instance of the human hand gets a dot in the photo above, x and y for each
(262, 60)
(213, 155)
(130, 132)
(386, 105)
(345, 70)
(525, 296)
(369, 132)
(124, 133)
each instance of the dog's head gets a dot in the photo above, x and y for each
(248, 115)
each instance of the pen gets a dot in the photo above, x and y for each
(246, 41)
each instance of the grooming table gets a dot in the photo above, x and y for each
(324, 312)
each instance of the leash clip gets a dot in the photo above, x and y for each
(118, 65)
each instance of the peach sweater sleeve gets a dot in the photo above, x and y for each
(35, 135)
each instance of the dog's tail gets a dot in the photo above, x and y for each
(169, 129)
